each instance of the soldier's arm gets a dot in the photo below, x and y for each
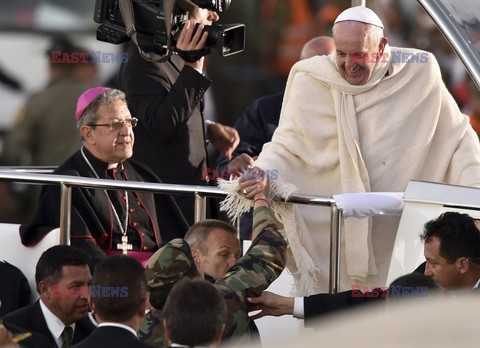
(254, 272)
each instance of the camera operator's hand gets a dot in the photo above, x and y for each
(188, 41)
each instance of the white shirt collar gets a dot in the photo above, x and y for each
(55, 325)
(477, 285)
(112, 165)
(92, 318)
(126, 327)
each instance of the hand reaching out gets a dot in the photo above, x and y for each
(242, 161)
(271, 304)
(223, 138)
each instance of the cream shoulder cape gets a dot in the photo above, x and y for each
(334, 137)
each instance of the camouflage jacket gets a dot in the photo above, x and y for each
(253, 273)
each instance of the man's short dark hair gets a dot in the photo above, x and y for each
(409, 283)
(458, 234)
(194, 313)
(126, 284)
(198, 233)
(50, 265)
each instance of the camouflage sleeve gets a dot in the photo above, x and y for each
(254, 272)
(151, 331)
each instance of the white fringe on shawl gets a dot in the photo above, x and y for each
(299, 261)
(336, 138)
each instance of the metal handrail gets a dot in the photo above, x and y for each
(455, 34)
(67, 182)
(29, 169)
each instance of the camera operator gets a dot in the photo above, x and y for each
(167, 98)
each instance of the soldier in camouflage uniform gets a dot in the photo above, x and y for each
(253, 273)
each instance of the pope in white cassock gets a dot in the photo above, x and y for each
(367, 118)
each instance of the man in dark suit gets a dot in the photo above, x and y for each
(452, 251)
(167, 98)
(62, 276)
(119, 300)
(197, 320)
(14, 289)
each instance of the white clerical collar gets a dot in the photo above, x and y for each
(112, 165)
(55, 325)
(126, 327)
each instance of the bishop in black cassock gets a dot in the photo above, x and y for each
(152, 219)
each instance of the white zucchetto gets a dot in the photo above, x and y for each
(360, 14)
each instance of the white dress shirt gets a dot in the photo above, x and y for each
(126, 327)
(55, 325)
(298, 308)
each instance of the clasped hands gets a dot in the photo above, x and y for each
(254, 184)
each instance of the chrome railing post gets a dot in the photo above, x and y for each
(237, 227)
(358, 3)
(334, 277)
(65, 209)
(200, 207)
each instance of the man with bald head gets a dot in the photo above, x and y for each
(318, 46)
(257, 125)
(368, 118)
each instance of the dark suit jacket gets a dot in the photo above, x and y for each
(321, 304)
(31, 318)
(14, 289)
(167, 98)
(36, 340)
(111, 336)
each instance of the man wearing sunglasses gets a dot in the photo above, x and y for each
(108, 222)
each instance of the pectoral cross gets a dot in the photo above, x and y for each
(124, 246)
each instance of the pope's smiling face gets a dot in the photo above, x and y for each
(356, 49)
